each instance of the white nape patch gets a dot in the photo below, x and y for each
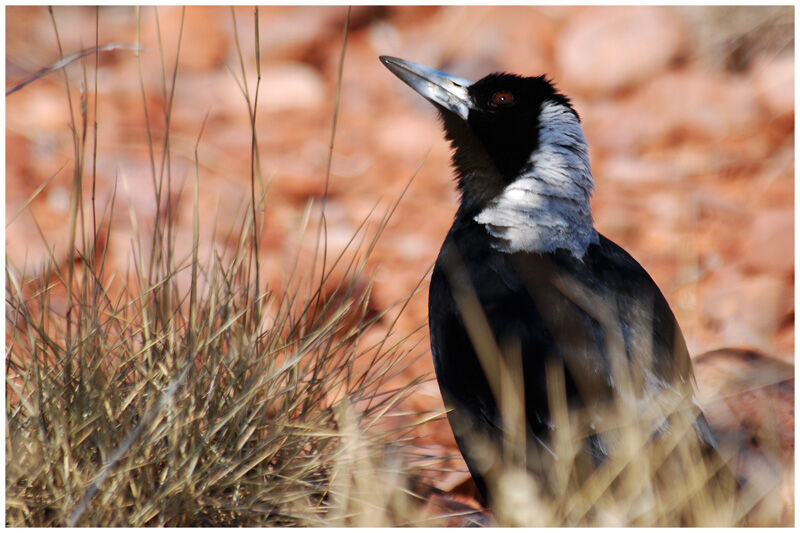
(547, 207)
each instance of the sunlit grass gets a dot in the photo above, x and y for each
(217, 402)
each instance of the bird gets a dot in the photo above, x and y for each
(535, 317)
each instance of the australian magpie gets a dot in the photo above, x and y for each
(530, 307)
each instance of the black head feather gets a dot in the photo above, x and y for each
(505, 117)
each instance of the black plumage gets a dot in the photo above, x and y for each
(535, 300)
(524, 286)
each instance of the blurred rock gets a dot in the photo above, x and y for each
(290, 86)
(774, 83)
(736, 385)
(204, 43)
(746, 310)
(300, 174)
(214, 93)
(748, 399)
(505, 38)
(731, 37)
(558, 14)
(616, 125)
(627, 169)
(681, 106)
(294, 32)
(776, 179)
(770, 242)
(691, 100)
(39, 110)
(58, 199)
(406, 135)
(291, 34)
(602, 50)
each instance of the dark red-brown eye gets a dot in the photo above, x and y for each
(501, 98)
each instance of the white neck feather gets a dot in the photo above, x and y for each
(547, 207)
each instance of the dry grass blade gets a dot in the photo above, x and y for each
(65, 61)
(33, 195)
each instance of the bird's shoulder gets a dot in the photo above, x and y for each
(605, 266)
(608, 267)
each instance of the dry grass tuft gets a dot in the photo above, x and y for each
(136, 398)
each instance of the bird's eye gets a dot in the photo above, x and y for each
(501, 98)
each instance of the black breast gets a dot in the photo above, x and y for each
(544, 312)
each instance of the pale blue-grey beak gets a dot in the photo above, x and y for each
(438, 87)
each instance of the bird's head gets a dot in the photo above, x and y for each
(517, 144)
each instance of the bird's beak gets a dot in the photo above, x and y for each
(438, 87)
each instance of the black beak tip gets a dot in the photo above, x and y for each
(387, 60)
